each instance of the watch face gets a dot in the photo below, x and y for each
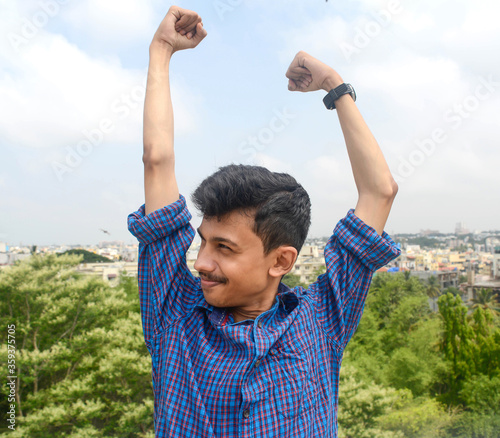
(352, 92)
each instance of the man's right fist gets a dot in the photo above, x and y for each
(180, 29)
(309, 74)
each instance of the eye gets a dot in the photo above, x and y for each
(222, 246)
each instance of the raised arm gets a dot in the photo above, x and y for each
(376, 186)
(180, 29)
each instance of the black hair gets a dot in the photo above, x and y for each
(280, 205)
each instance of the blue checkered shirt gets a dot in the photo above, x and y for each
(275, 376)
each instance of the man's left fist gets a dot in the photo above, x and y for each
(306, 73)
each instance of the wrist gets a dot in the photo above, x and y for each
(161, 48)
(332, 81)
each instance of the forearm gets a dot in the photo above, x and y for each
(370, 170)
(158, 156)
(158, 112)
(376, 186)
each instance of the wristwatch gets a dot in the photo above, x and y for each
(337, 92)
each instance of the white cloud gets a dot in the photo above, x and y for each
(52, 92)
(56, 91)
(117, 22)
(408, 81)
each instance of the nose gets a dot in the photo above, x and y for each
(204, 262)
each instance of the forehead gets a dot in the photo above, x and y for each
(236, 226)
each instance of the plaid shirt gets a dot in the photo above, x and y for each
(275, 376)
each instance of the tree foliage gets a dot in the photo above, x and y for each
(470, 344)
(432, 287)
(292, 280)
(88, 257)
(448, 361)
(487, 300)
(82, 366)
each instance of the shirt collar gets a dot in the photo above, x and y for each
(286, 299)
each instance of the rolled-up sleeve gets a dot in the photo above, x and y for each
(159, 223)
(363, 242)
(352, 254)
(167, 289)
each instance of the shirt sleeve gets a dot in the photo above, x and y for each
(167, 289)
(352, 254)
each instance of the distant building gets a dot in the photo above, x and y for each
(309, 261)
(445, 278)
(496, 264)
(191, 257)
(109, 272)
(461, 229)
(429, 232)
(491, 243)
(8, 257)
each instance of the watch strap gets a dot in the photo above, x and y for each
(335, 93)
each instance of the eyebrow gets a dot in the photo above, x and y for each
(219, 239)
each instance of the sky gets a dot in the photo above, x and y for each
(72, 83)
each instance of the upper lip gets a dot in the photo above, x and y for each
(210, 279)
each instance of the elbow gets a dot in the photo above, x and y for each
(392, 189)
(154, 157)
(385, 190)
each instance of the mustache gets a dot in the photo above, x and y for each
(211, 277)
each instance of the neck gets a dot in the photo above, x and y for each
(251, 312)
(240, 314)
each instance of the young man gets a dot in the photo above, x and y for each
(235, 353)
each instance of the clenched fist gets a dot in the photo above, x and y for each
(308, 74)
(180, 29)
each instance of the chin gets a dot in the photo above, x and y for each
(213, 298)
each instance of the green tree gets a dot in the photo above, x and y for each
(452, 290)
(486, 299)
(88, 257)
(458, 345)
(446, 363)
(292, 280)
(471, 345)
(362, 404)
(418, 418)
(396, 341)
(83, 369)
(482, 394)
(418, 364)
(482, 417)
(432, 287)
(369, 410)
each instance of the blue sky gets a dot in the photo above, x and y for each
(72, 80)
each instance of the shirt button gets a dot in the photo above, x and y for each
(246, 413)
(257, 363)
(259, 324)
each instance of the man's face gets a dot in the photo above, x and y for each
(233, 268)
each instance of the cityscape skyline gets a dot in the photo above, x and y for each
(131, 241)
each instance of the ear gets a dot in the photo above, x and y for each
(284, 259)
